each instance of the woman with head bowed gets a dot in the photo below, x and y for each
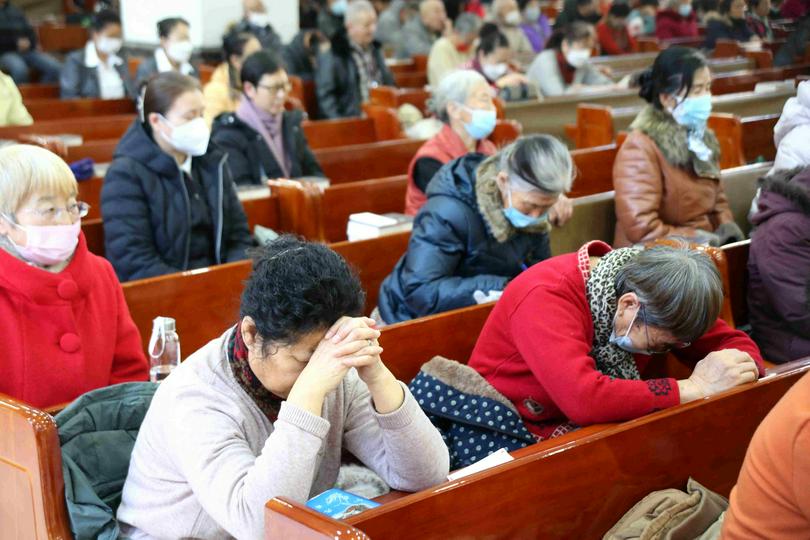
(268, 408)
(485, 221)
(169, 201)
(569, 339)
(463, 102)
(66, 327)
(492, 60)
(667, 172)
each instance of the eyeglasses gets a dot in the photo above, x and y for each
(663, 349)
(276, 88)
(78, 209)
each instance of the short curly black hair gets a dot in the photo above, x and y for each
(297, 287)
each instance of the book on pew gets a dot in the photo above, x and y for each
(498, 457)
(367, 225)
(339, 504)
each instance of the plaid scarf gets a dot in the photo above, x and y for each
(601, 292)
(268, 402)
(367, 69)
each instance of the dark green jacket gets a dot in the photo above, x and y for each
(97, 433)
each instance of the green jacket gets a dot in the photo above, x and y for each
(97, 433)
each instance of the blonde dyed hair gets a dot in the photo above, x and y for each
(27, 170)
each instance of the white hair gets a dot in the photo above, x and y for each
(26, 170)
(454, 87)
(538, 162)
(356, 8)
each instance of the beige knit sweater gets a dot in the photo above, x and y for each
(207, 460)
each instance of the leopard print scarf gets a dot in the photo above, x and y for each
(601, 292)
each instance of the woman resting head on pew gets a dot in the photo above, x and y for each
(667, 173)
(732, 24)
(264, 141)
(168, 200)
(463, 102)
(492, 57)
(173, 54)
(267, 409)
(224, 90)
(565, 68)
(570, 338)
(485, 221)
(97, 70)
(779, 266)
(66, 327)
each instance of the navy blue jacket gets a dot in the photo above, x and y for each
(147, 210)
(452, 251)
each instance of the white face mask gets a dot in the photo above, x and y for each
(259, 19)
(108, 45)
(190, 138)
(494, 72)
(577, 57)
(513, 18)
(179, 51)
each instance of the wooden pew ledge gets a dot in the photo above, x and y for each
(288, 519)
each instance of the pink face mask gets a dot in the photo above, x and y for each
(47, 245)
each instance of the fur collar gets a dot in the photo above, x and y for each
(490, 204)
(670, 137)
(792, 191)
(465, 379)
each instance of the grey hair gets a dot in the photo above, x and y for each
(454, 87)
(356, 7)
(540, 160)
(467, 23)
(679, 288)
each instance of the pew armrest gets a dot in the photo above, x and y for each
(284, 518)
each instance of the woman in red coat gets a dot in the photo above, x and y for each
(570, 337)
(677, 20)
(614, 38)
(66, 327)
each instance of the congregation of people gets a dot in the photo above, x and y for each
(272, 404)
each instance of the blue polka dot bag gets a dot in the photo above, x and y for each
(473, 418)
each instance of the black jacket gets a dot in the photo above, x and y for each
(738, 30)
(793, 49)
(337, 81)
(146, 209)
(453, 252)
(297, 59)
(13, 26)
(266, 35)
(80, 81)
(249, 157)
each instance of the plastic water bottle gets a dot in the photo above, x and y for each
(164, 349)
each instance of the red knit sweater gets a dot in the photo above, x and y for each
(614, 41)
(534, 350)
(67, 333)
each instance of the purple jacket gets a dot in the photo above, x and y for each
(779, 268)
(537, 33)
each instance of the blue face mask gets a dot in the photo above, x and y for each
(339, 7)
(481, 124)
(693, 112)
(685, 10)
(518, 219)
(624, 342)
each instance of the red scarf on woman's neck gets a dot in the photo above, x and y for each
(566, 70)
(268, 402)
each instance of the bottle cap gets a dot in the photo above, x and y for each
(166, 323)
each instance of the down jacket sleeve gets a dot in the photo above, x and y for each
(327, 85)
(638, 182)
(128, 240)
(438, 243)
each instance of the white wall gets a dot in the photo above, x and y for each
(208, 18)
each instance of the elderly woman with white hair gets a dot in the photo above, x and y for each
(569, 340)
(66, 327)
(463, 102)
(485, 221)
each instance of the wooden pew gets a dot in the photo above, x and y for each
(584, 486)
(89, 128)
(55, 109)
(412, 79)
(737, 260)
(745, 81)
(61, 38)
(393, 97)
(38, 91)
(206, 302)
(382, 126)
(364, 161)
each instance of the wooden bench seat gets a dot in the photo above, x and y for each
(58, 109)
(577, 486)
(38, 91)
(89, 128)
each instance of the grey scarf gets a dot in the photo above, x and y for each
(601, 291)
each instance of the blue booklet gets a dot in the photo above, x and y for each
(339, 504)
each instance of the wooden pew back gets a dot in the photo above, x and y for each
(365, 161)
(32, 500)
(90, 128)
(737, 260)
(56, 109)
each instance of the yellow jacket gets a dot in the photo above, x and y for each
(12, 110)
(219, 96)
